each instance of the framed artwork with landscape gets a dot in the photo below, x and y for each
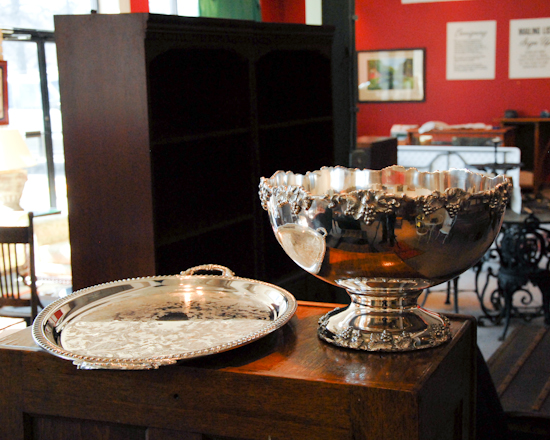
(393, 75)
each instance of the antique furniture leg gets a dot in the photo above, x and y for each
(542, 280)
(452, 286)
(509, 283)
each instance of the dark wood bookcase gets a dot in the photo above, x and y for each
(169, 123)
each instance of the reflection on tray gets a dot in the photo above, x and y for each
(144, 339)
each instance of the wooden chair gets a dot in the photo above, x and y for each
(18, 292)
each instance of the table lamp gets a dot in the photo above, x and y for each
(15, 157)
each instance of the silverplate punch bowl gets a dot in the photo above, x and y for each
(384, 236)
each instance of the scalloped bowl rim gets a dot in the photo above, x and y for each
(381, 179)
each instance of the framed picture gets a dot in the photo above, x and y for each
(395, 75)
(3, 93)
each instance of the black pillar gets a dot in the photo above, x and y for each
(341, 15)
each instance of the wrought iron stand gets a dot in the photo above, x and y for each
(522, 252)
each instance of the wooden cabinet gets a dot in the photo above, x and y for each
(169, 123)
(374, 152)
(533, 139)
(465, 137)
(288, 385)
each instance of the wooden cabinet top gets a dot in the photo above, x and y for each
(522, 120)
(446, 136)
(288, 385)
(295, 352)
(465, 131)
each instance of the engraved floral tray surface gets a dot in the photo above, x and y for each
(148, 322)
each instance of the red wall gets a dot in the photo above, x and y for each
(139, 5)
(284, 11)
(390, 25)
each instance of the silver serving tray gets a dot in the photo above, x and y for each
(145, 323)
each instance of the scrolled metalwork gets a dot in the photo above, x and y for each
(368, 204)
(521, 253)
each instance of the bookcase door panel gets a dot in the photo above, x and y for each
(293, 85)
(231, 246)
(195, 91)
(200, 185)
(298, 148)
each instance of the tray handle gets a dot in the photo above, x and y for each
(121, 365)
(226, 272)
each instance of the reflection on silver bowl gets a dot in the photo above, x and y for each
(384, 236)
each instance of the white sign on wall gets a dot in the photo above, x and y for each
(471, 49)
(530, 48)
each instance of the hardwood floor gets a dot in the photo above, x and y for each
(468, 304)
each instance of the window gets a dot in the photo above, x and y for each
(189, 8)
(25, 48)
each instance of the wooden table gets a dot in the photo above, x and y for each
(288, 385)
(447, 136)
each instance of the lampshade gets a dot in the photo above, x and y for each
(14, 153)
